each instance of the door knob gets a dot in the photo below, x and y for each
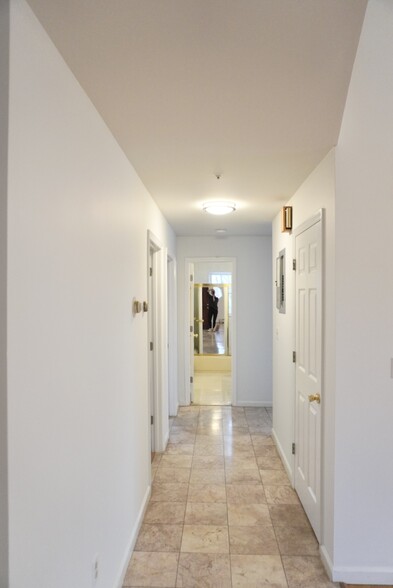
(315, 397)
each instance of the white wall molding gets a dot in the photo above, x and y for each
(283, 456)
(133, 538)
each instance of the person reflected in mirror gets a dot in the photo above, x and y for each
(213, 310)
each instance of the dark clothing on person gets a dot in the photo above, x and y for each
(213, 310)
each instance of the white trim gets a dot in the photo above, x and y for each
(312, 220)
(281, 452)
(131, 544)
(187, 356)
(256, 403)
(327, 562)
(173, 402)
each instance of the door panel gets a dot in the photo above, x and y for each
(308, 371)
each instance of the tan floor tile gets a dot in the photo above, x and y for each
(246, 515)
(257, 571)
(306, 572)
(213, 513)
(207, 476)
(176, 461)
(269, 463)
(242, 476)
(274, 478)
(172, 475)
(179, 449)
(261, 439)
(169, 492)
(244, 462)
(153, 473)
(159, 538)
(207, 493)
(209, 449)
(280, 495)
(262, 450)
(205, 539)
(156, 459)
(255, 540)
(204, 570)
(186, 438)
(291, 515)
(296, 541)
(208, 461)
(235, 430)
(155, 570)
(170, 513)
(246, 451)
(264, 430)
(245, 494)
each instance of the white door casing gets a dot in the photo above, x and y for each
(309, 397)
(191, 329)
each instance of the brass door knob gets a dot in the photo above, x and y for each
(315, 398)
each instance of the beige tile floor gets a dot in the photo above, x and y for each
(212, 388)
(222, 512)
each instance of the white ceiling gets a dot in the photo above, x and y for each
(251, 89)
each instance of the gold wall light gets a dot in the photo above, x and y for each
(286, 219)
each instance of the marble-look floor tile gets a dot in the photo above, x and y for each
(262, 450)
(204, 570)
(246, 515)
(207, 493)
(291, 515)
(159, 538)
(245, 494)
(176, 461)
(306, 572)
(170, 513)
(172, 475)
(280, 495)
(205, 539)
(269, 463)
(260, 439)
(207, 476)
(296, 541)
(186, 438)
(156, 460)
(213, 513)
(254, 540)
(242, 476)
(208, 461)
(169, 492)
(257, 571)
(242, 462)
(153, 570)
(209, 449)
(179, 449)
(274, 478)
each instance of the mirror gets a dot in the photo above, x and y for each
(212, 316)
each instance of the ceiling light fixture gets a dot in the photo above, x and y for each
(219, 207)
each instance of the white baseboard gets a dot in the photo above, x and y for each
(134, 536)
(255, 403)
(356, 574)
(287, 465)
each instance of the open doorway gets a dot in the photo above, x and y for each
(211, 312)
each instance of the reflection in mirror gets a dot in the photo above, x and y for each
(212, 313)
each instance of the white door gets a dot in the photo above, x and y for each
(308, 371)
(191, 330)
(151, 318)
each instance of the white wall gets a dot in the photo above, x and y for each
(4, 74)
(364, 238)
(253, 299)
(78, 398)
(318, 191)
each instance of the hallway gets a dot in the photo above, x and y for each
(222, 513)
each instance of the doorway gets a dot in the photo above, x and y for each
(210, 297)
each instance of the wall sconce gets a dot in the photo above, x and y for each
(286, 219)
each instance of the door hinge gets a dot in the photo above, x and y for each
(191, 329)
(294, 356)
(191, 278)
(293, 449)
(151, 271)
(294, 264)
(151, 345)
(191, 380)
(152, 420)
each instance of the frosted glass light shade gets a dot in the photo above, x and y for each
(219, 207)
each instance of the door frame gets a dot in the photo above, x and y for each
(159, 311)
(189, 261)
(318, 216)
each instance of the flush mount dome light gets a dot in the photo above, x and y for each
(219, 207)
